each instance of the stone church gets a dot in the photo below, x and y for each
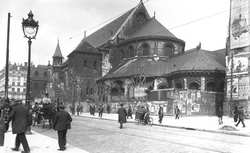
(135, 59)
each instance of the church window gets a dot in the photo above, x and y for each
(131, 51)
(193, 86)
(122, 54)
(95, 65)
(85, 64)
(168, 50)
(145, 49)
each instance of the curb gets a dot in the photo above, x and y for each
(182, 127)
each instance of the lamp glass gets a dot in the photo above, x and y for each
(30, 31)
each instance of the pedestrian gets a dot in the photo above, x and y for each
(220, 114)
(2, 130)
(130, 112)
(177, 112)
(160, 113)
(77, 110)
(241, 117)
(6, 108)
(108, 108)
(90, 109)
(81, 109)
(46, 99)
(93, 110)
(21, 120)
(122, 113)
(235, 113)
(100, 110)
(61, 124)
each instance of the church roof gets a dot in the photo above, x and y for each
(104, 34)
(194, 60)
(151, 27)
(188, 61)
(58, 52)
(85, 47)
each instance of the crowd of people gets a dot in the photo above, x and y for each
(20, 117)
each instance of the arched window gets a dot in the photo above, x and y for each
(193, 86)
(168, 50)
(122, 54)
(95, 65)
(162, 86)
(221, 87)
(45, 75)
(87, 90)
(178, 86)
(131, 51)
(91, 91)
(36, 74)
(85, 64)
(210, 86)
(145, 49)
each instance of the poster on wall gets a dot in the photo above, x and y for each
(140, 91)
(235, 90)
(239, 26)
(243, 92)
(240, 65)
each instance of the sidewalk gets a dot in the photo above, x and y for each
(199, 123)
(38, 144)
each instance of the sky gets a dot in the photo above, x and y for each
(192, 21)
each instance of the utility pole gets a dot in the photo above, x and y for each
(7, 60)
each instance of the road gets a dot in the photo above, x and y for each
(105, 136)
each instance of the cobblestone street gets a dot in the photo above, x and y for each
(94, 136)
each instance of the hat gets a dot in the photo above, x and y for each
(61, 106)
(18, 101)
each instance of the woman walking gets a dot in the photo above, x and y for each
(160, 113)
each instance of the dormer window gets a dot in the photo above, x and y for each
(45, 75)
(36, 74)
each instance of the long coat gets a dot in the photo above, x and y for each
(21, 118)
(122, 115)
(241, 114)
(62, 121)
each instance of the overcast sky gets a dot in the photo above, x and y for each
(193, 21)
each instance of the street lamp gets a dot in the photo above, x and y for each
(30, 29)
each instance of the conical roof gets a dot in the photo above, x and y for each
(151, 27)
(58, 52)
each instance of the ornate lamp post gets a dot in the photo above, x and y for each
(30, 28)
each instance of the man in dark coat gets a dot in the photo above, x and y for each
(122, 114)
(21, 119)
(220, 114)
(235, 114)
(241, 117)
(61, 124)
(6, 108)
(130, 112)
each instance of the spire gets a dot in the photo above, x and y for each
(58, 52)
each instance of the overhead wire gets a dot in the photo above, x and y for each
(69, 38)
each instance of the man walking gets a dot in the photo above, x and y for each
(6, 108)
(122, 113)
(61, 124)
(160, 113)
(241, 117)
(130, 112)
(21, 119)
(100, 110)
(177, 112)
